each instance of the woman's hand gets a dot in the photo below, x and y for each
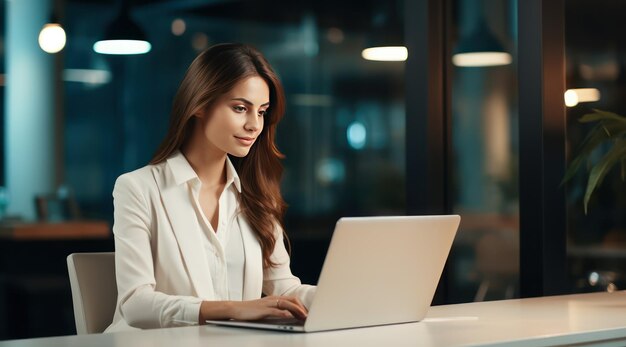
(269, 306)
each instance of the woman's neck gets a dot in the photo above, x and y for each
(208, 163)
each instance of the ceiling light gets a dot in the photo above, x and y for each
(52, 36)
(480, 48)
(123, 36)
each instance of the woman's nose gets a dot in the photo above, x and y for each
(253, 122)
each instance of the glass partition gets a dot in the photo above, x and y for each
(595, 63)
(484, 263)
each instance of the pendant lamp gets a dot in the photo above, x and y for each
(480, 48)
(385, 41)
(123, 36)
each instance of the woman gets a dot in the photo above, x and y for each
(198, 232)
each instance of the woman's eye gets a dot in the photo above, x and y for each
(239, 109)
(262, 113)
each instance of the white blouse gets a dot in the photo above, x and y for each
(224, 246)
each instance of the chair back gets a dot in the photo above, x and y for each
(94, 290)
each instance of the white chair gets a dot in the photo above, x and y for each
(94, 290)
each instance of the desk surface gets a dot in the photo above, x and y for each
(581, 320)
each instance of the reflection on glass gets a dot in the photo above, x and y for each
(595, 54)
(485, 256)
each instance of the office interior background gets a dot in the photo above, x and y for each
(73, 121)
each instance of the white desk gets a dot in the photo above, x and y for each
(597, 319)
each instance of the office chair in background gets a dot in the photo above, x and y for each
(58, 206)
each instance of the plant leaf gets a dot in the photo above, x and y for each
(594, 138)
(601, 115)
(613, 128)
(600, 133)
(616, 154)
(573, 167)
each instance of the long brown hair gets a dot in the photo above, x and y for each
(213, 73)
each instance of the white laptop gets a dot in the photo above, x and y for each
(378, 270)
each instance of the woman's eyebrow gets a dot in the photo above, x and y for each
(248, 102)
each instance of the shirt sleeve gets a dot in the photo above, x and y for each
(138, 302)
(279, 280)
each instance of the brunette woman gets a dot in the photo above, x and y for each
(198, 231)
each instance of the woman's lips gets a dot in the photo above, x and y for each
(246, 141)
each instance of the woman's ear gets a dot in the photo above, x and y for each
(199, 113)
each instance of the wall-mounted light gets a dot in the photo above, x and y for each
(575, 96)
(123, 36)
(52, 36)
(385, 53)
(480, 48)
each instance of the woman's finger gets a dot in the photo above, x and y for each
(297, 310)
(297, 303)
(287, 304)
(280, 313)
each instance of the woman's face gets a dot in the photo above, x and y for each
(235, 120)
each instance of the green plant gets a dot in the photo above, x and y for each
(611, 129)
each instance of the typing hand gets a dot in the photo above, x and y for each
(269, 306)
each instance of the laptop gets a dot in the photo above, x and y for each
(378, 271)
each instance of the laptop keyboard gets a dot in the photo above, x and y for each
(282, 321)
